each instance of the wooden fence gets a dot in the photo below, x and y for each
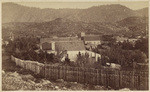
(135, 80)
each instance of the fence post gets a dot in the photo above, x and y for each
(73, 79)
(120, 79)
(133, 73)
(139, 86)
(44, 68)
(117, 81)
(58, 71)
(106, 78)
(78, 74)
(147, 81)
(65, 72)
(97, 77)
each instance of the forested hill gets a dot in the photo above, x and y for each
(12, 12)
(105, 19)
(64, 27)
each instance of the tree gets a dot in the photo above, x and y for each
(126, 45)
(123, 57)
(67, 60)
(142, 45)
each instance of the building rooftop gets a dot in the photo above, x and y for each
(91, 38)
(63, 39)
(70, 46)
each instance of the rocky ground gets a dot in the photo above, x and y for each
(16, 81)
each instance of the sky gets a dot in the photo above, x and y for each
(82, 5)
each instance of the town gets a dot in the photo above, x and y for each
(65, 53)
(83, 51)
(91, 47)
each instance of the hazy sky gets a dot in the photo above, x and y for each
(132, 5)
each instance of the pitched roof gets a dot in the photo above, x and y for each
(43, 40)
(91, 38)
(70, 46)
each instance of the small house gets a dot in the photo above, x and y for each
(91, 39)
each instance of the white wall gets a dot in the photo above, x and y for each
(73, 54)
(93, 54)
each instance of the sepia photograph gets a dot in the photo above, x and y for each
(75, 46)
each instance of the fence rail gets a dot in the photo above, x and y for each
(135, 80)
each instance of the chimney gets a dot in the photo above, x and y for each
(53, 45)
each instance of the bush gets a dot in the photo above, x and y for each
(123, 57)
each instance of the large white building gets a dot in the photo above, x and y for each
(64, 47)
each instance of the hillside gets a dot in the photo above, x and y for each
(64, 27)
(59, 27)
(12, 12)
(143, 12)
(105, 19)
(135, 25)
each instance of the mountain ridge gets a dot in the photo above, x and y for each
(12, 12)
(65, 27)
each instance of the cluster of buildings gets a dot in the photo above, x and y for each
(71, 46)
(122, 39)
